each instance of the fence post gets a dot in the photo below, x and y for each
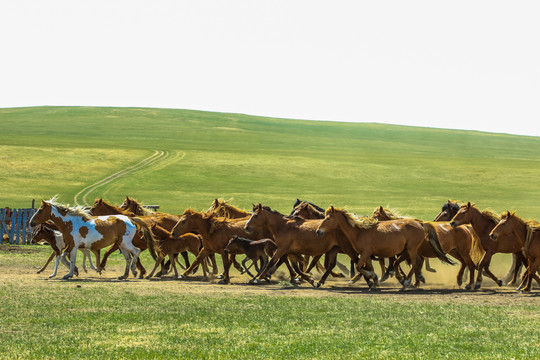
(13, 226)
(3, 227)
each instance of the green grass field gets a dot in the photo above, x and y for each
(65, 150)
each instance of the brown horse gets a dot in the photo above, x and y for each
(166, 221)
(526, 233)
(171, 247)
(461, 242)
(483, 222)
(215, 232)
(369, 237)
(296, 236)
(450, 209)
(255, 250)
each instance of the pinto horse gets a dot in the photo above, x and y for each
(461, 242)
(95, 232)
(526, 233)
(44, 232)
(368, 237)
(483, 222)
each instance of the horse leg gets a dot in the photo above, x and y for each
(47, 263)
(101, 266)
(96, 254)
(277, 256)
(173, 263)
(247, 268)
(511, 276)
(142, 270)
(428, 267)
(532, 268)
(127, 257)
(85, 255)
(491, 275)
(200, 257)
(212, 258)
(365, 271)
(185, 255)
(227, 262)
(314, 262)
(158, 263)
(330, 258)
(72, 258)
(56, 265)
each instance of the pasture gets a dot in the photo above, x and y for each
(99, 317)
(180, 159)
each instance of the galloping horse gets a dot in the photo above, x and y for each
(44, 232)
(369, 237)
(167, 221)
(255, 250)
(94, 232)
(526, 234)
(171, 246)
(295, 236)
(215, 232)
(461, 242)
(483, 222)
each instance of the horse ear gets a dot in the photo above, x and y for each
(509, 214)
(381, 209)
(42, 202)
(259, 206)
(469, 204)
(332, 209)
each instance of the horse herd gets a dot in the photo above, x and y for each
(269, 239)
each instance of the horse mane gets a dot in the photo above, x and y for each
(453, 204)
(393, 214)
(73, 211)
(241, 239)
(117, 209)
(487, 213)
(267, 208)
(300, 202)
(364, 222)
(140, 206)
(224, 208)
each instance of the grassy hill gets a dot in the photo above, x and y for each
(63, 150)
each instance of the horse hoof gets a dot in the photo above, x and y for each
(422, 279)
(373, 288)
(370, 284)
(499, 282)
(406, 283)
(121, 278)
(66, 277)
(223, 282)
(459, 283)
(476, 286)
(312, 282)
(317, 285)
(256, 281)
(51, 276)
(296, 281)
(468, 287)
(181, 277)
(220, 276)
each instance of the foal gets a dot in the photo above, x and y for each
(254, 249)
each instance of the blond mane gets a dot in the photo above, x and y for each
(392, 214)
(72, 211)
(363, 222)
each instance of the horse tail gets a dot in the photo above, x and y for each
(433, 239)
(477, 251)
(151, 241)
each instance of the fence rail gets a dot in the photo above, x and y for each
(15, 226)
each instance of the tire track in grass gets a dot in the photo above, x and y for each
(82, 195)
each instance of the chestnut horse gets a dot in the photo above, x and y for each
(94, 232)
(390, 238)
(461, 242)
(216, 232)
(526, 234)
(254, 250)
(450, 209)
(171, 247)
(44, 232)
(483, 222)
(167, 221)
(296, 236)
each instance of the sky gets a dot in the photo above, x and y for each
(448, 64)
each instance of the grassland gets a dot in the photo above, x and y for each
(57, 150)
(98, 317)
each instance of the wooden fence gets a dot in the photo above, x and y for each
(15, 226)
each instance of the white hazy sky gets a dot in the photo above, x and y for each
(451, 64)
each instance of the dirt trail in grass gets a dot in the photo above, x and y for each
(81, 197)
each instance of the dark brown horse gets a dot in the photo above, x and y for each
(255, 250)
(369, 237)
(526, 234)
(483, 223)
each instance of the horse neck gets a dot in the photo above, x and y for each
(481, 224)
(275, 223)
(349, 230)
(520, 231)
(61, 220)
